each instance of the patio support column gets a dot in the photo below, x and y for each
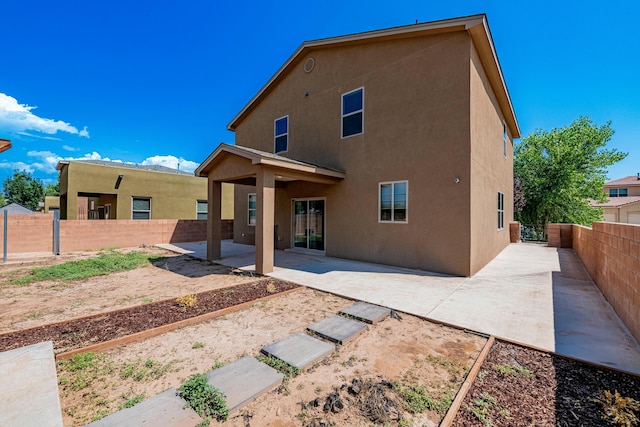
(214, 221)
(265, 212)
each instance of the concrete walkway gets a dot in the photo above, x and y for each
(530, 293)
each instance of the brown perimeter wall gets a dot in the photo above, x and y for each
(611, 254)
(34, 233)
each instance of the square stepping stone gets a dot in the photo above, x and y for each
(366, 312)
(299, 350)
(337, 329)
(244, 380)
(163, 410)
(30, 384)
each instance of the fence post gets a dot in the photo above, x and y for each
(56, 232)
(4, 259)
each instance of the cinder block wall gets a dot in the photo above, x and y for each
(611, 254)
(34, 233)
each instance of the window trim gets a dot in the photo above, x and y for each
(206, 212)
(249, 209)
(617, 192)
(500, 210)
(343, 115)
(138, 210)
(393, 221)
(275, 135)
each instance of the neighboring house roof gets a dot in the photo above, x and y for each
(476, 25)
(5, 144)
(258, 157)
(632, 180)
(616, 202)
(153, 168)
(15, 208)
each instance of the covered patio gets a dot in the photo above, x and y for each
(246, 166)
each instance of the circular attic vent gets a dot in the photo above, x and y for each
(309, 64)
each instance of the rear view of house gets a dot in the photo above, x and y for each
(392, 146)
(623, 204)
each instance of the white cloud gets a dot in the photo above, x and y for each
(22, 166)
(68, 148)
(171, 162)
(16, 117)
(50, 138)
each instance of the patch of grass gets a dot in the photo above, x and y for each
(197, 344)
(203, 398)
(146, 301)
(34, 315)
(482, 406)
(416, 398)
(105, 263)
(83, 369)
(149, 369)
(618, 409)
(279, 365)
(217, 364)
(508, 370)
(129, 403)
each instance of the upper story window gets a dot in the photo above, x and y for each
(201, 209)
(392, 203)
(251, 209)
(141, 208)
(504, 139)
(618, 192)
(353, 113)
(281, 134)
(500, 210)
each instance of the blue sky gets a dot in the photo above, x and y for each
(157, 82)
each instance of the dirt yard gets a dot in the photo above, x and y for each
(406, 366)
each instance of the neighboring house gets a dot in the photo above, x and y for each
(97, 189)
(392, 146)
(51, 203)
(5, 144)
(14, 208)
(623, 200)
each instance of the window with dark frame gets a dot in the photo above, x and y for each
(281, 134)
(500, 210)
(353, 113)
(618, 192)
(141, 208)
(392, 202)
(251, 209)
(201, 209)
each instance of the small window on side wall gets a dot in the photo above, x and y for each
(281, 134)
(500, 210)
(504, 139)
(251, 209)
(393, 201)
(201, 209)
(141, 208)
(353, 113)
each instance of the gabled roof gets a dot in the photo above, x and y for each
(616, 202)
(5, 144)
(152, 168)
(15, 208)
(632, 180)
(476, 25)
(258, 157)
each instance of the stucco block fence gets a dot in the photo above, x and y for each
(34, 233)
(611, 254)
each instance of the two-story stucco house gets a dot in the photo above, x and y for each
(623, 200)
(392, 146)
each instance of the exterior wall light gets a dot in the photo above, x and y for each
(118, 181)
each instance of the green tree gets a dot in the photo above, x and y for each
(52, 190)
(24, 189)
(560, 170)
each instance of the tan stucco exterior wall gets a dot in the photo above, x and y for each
(420, 124)
(632, 190)
(491, 169)
(173, 196)
(621, 214)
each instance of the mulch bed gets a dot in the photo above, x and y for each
(82, 332)
(557, 391)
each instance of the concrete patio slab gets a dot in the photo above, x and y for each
(244, 380)
(299, 350)
(530, 293)
(337, 329)
(162, 410)
(30, 383)
(365, 312)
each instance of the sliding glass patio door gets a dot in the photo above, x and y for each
(308, 224)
